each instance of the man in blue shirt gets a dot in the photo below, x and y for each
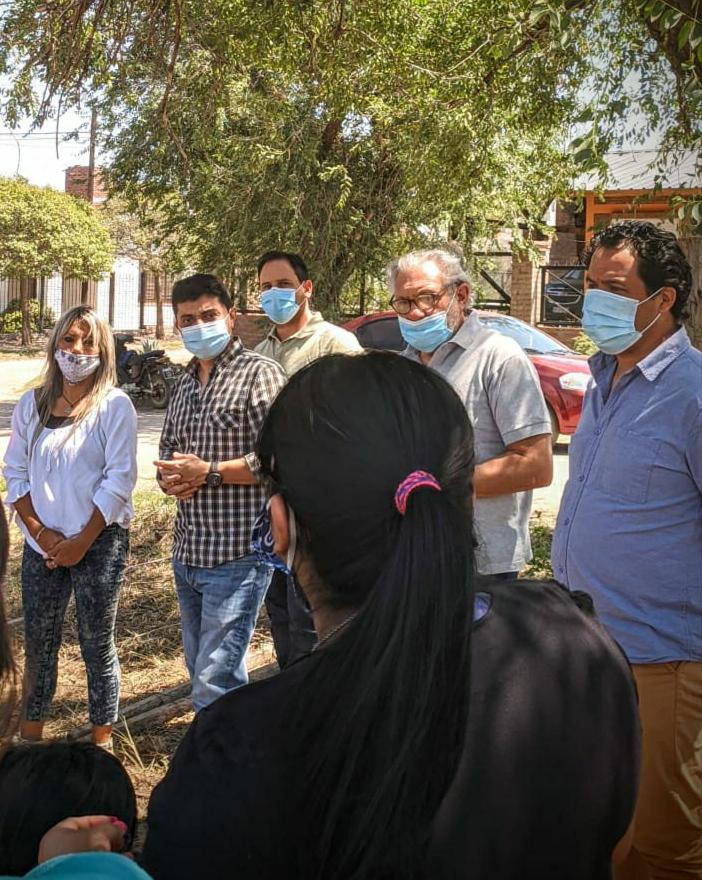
(629, 530)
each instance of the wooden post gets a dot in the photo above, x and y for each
(589, 215)
(24, 308)
(692, 246)
(159, 306)
(242, 292)
(42, 302)
(142, 300)
(111, 301)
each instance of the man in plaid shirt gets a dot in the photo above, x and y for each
(207, 463)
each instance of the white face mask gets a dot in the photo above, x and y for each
(76, 367)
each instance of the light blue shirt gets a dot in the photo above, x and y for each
(87, 866)
(629, 531)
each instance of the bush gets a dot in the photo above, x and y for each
(583, 345)
(11, 318)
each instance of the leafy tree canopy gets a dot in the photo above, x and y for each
(348, 129)
(43, 231)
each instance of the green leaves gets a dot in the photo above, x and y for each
(43, 231)
(349, 130)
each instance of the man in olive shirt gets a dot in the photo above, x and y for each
(298, 337)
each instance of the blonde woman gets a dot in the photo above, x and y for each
(70, 469)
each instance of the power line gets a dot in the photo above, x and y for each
(48, 135)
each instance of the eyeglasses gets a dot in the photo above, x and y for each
(425, 302)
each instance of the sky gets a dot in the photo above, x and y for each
(32, 154)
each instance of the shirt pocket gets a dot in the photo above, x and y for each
(624, 465)
(227, 419)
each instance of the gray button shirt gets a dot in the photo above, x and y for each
(501, 392)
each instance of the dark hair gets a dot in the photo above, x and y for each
(297, 264)
(660, 261)
(195, 286)
(8, 671)
(42, 784)
(382, 709)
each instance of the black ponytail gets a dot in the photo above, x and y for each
(383, 706)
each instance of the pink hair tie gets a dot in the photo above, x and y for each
(409, 484)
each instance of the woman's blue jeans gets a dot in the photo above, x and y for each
(95, 581)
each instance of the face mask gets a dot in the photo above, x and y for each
(427, 334)
(206, 341)
(262, 542)
(279, 304)
(76, 367)
(609, 320)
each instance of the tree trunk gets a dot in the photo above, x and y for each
(693, 249)
(242, 292)
(142, 300)
(24, 308)
(159, 306)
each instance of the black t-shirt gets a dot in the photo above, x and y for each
(545, 788)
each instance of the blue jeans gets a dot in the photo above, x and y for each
(218, 611)
(95, 581)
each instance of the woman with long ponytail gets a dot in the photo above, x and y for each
(358, 761)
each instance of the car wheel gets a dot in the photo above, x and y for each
(555, 430)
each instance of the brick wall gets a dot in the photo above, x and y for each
(76, 183)
(526, 285)
(569, 239)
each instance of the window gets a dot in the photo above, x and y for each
(530, 339)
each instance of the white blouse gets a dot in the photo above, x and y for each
(71, 471)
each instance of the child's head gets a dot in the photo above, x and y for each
(43, 784)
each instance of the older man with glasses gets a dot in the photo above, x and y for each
(500, 389)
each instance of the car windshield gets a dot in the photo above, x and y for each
(531, 340)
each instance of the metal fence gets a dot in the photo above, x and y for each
(562, 291)
(492, 283)
(125, 298)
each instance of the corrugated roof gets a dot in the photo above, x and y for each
(645, 169)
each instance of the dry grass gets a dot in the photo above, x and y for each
(148, 645)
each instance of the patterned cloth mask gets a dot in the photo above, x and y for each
(76, 367)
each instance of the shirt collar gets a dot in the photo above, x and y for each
(310, 328)
(652, 365)
(468, 331)
(232, 351)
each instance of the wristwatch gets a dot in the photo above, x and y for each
(214, 478)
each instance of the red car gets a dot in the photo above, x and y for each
(564, 375)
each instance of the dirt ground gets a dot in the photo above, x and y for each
(148, 645)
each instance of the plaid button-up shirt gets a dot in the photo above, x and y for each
(219, 423)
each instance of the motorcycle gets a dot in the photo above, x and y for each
(147, 374)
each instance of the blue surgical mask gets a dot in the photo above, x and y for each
(428, 333)
(279, 304)
(609, 320)
(208, 340)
